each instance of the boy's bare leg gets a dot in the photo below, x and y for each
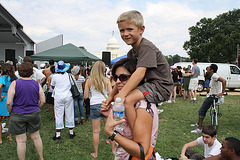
(131, 99)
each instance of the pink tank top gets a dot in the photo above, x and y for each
(120, 153)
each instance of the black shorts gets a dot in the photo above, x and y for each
(50, 99)
(21, 123)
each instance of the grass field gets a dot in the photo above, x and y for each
(174, 132)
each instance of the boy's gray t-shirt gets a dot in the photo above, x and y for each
(196, 71)
(158, 69)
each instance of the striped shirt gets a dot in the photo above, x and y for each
(79, 82)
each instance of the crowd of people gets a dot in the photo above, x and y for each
(141, 81)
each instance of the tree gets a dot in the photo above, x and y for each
(176, 58)
(215, 40)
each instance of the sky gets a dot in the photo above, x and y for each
(90, 23)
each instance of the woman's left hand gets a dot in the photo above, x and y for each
(111, 123)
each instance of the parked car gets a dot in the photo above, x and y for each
(230, 72)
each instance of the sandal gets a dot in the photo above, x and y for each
(93, 155)
(9, 138)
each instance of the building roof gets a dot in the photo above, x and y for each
(11, 31)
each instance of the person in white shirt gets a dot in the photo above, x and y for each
(37, 74)
(63, 100)
(217, 88)
(230, 150)
(208, 140)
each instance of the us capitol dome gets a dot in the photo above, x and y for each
(113, 47)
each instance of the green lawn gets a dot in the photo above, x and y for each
(174, 132)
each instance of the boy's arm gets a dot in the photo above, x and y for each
(186, 146)
(133, 82)
(113, 93)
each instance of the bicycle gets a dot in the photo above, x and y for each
(214, 112)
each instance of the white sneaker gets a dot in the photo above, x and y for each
(194, 125)
(3, 125)
(173, 101)
(196, 131)
(160, 111)
(5, 130)
(159, 104)
(169, 101)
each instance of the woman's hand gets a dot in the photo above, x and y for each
(111, 123)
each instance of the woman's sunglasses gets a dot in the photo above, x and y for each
(122, 77)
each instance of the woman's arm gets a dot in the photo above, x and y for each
(11, 93)
(141, 132)
(41, 97)
(86, 89)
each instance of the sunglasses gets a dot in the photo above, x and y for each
(121, 77)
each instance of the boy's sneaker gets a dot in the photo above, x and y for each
(194, 125)
(173, 101)
(196, 131)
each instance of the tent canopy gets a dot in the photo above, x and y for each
(118, 58)
(68, 52)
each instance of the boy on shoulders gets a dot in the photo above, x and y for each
(152, 67)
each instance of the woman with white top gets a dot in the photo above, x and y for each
(99, 86)
(63, 100)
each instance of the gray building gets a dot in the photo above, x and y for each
(14, 43)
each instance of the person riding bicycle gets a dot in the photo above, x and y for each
(208, 140)
(217, 88)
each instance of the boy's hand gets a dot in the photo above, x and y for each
(105, 108)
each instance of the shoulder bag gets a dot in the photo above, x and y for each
(75, 93)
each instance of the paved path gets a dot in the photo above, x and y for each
(235, 92)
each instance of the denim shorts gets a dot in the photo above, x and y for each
(95, 113)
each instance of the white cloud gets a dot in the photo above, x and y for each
(90, 23)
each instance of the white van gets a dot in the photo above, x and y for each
(230, 72)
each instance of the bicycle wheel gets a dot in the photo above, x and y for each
(214, 121)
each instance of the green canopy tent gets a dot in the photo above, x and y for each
(68, 53)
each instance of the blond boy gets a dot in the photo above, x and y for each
(152, 67)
